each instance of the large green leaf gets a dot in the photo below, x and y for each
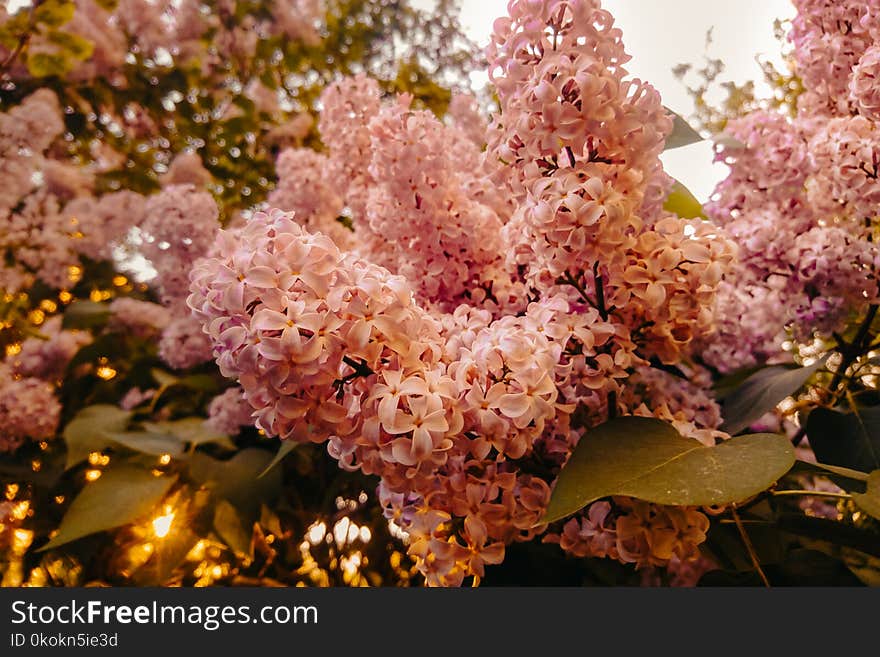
(682, 132)
(761, 392)
(147, 442)
(85, 315)
(869, 501)
(649, 460)
(122, 495)
(87, 431)
(849, 440)
(682, 202)
(191, 430)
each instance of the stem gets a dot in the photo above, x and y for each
(600, 292)
(612, 405)
(10, 59)
(811, 493)
(569, 279)
(22, 39)
(749, 547)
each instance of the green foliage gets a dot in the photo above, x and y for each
(682, 133)
(682, 202)
(648, 459)
(54, 13)
(85, 315)
(869, 501)
(87, 431)
(122, 495)
(761, 392)
(287, 446)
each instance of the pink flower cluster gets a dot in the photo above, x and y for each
(178, 227)
(229, 412)
(447, 351)
(830, 37)
(47, 357)
(28, 409)
(306, 189)
(644, 534)
(802, 195)
(33, 233)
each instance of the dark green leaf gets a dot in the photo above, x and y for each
(122, 495)
(199, 382)
(287, 446)
(87, 431)
(849, 440)
(231, 529)
(147, 442)
(730, 382)
(649, 460)
(682, 133)
(833, 531)
(680, 201)
(238, 480)
(85, 315)
(761, 392)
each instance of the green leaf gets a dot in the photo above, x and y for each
(163, 378)
(87, 431)
(54, 13)
(844, 477)
(869, 501)
(44, 64)
(72, 45)
(122, 495)
(761, 392)
(238, 480)
(730, 382)
(680, 201)
(849, 440)
(229, 525)
(682, 133)
(649, 460)
(727, 140)
(85, 315)
(199, 382)
(147, 442)
(191, 430)
(287, 446)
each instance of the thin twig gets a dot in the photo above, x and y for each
(749, 547)
(852, 351)
(811, 493)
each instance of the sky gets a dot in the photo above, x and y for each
(659, 34)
